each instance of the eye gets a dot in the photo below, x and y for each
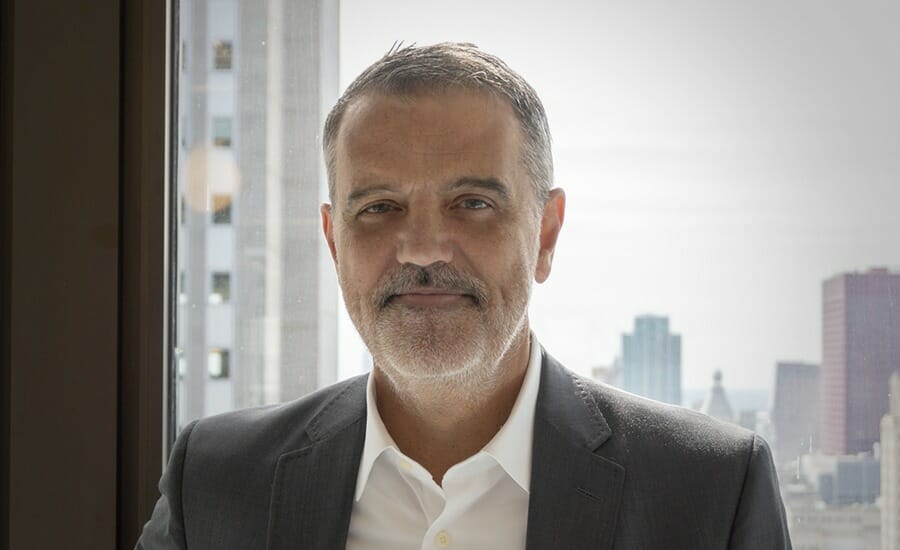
(377, 208)
(474, 204)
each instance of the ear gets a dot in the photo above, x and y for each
(328, 229)
(551, 223)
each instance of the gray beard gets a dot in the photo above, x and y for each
(459, 364)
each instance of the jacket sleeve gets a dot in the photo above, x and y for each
(760, 523)
(165, 530)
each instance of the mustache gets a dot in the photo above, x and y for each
(438, 276)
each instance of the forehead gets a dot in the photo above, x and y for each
(426, 137)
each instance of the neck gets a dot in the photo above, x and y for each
(439, 425)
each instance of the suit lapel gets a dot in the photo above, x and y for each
(574, 497)
(575, 494)
(312, 492)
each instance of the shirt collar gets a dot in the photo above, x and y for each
(378, 440)
(510, 447)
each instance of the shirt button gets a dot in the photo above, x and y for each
(405, 465)
(442, 539)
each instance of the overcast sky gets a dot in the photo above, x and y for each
(721, 159)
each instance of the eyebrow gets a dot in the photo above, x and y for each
(490, 184)
(364, 192)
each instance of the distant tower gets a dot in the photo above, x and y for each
(716, 403)
(890, 470)
(795, 411)
(860, 351)
(651, 360)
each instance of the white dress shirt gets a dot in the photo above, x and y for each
(483, 504)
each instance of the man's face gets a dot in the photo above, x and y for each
(433, 231)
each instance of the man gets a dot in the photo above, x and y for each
(467, 434)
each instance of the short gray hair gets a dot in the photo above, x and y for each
(407, 70)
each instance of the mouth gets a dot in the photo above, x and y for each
(431, 298)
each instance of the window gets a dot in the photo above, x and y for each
(217, 364)
(221, 131)
(716, 180)
(221, 288)
(221, 205)
(222, 55)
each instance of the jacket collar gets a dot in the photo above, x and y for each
(575, 493)
(312, 491)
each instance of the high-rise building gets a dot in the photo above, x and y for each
(795, 410)
(890, 470)
(257, 318)
(651, 360)
(860, 351)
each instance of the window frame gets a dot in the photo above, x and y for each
(147, 329)
(100, 246)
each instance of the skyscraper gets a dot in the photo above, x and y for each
(651, 360)
(860, 351)
(795, 410)
(257, 317)
(890, 470)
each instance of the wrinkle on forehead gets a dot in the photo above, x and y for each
(386, 118)
(404, 136)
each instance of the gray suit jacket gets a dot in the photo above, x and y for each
(609, 470)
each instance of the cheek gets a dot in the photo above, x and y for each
(361, 261)
(504, 261)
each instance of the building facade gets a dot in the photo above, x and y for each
(860, 351)
(257, 313)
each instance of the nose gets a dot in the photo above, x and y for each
(424, 240)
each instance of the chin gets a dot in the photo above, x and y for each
(451, 350)
(432, 347)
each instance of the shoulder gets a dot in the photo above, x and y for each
(634, 429)
(272, 430)
(688, 480)
(667, 426)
